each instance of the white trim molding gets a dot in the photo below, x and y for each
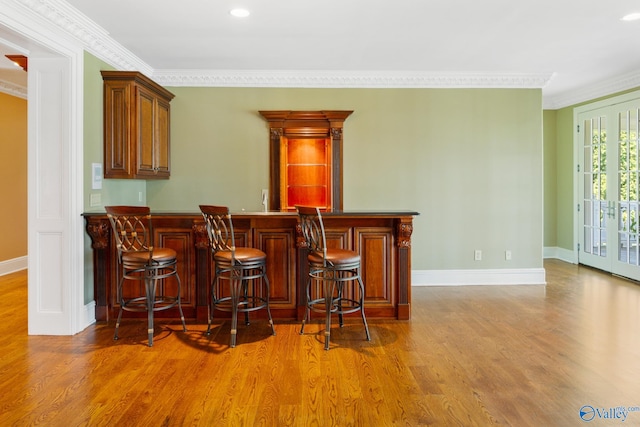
(89, 317)
(347, 79)
(93, 37)
(562, 254)
(524, 276)
(13, 265)
(13, 89)
(98, 42)
(582, 94)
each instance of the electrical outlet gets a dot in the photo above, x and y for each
(477, 255)
(507, 255)
(95, 199)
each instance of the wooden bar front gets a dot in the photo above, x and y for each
(383, 240)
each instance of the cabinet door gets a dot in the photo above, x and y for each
(337, 238)
(222, 289)
(180, 240)
(153, 135)
(279, 245)
(161, 155)
(169, 236)
(376, 249)
(145, 116)
(117, 125)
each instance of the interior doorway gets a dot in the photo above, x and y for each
(55, 174)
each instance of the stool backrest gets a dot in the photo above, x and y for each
(219, 228)
(313, 229)
(131, 228)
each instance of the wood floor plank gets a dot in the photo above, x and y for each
(470, 356)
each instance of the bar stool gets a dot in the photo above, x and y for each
(333, 268)
(237, 267)
(143, 262)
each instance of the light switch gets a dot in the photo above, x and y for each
(96, 176)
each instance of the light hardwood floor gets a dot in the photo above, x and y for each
(470, 356)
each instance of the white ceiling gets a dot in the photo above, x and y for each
(576, 44)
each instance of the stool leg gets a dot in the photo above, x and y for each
(328, 303)
(150, 285)
(236, 284)
(307, 311)
(267, 288)
(212, 302)
(245, 284)
(122, 303)
(179, 297)
(364, 319)
(340, 285)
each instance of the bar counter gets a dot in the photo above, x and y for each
(383, 239)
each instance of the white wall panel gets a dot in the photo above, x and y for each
(50, 276)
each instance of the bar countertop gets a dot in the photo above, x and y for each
(342, 213)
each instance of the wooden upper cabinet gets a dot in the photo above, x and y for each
(136, 126)
(305, 159)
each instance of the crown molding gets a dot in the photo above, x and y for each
(589, 93)
(93, 37)
(97, 41)
(346, 79)
(13, 89)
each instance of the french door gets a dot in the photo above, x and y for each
(608, 189)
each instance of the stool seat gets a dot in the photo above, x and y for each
(242, 255)
(143, 257)
(335, 257)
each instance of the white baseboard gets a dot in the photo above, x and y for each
(560, 253)
(524, 276)
(13, 265)
(89, 314)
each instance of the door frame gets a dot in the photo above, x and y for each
(577, 147)
(55, 172)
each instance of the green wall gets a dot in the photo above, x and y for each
(469, 160)
(565, 178)
(558, 178)
(114, 191)
(550, 178)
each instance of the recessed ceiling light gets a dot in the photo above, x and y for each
(631, 17)
(239, 13)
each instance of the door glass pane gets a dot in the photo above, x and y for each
(628, 187)
(595, 186)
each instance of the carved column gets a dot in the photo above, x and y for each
(276, 134)
(404, 229)
(99, 230)
(203, 269)
(302, 267)
(336, 152)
